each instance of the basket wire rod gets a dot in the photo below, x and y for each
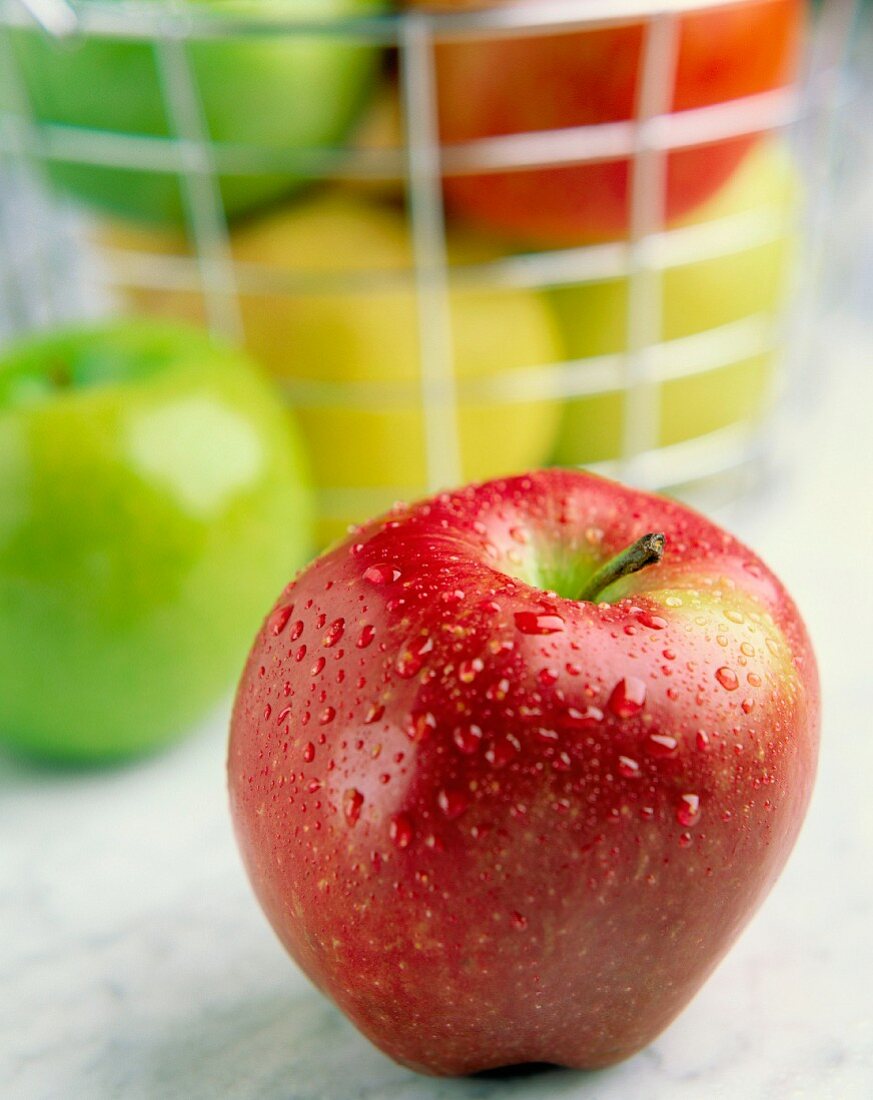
(146, 18)
(438, 397)
(826, 91)
(201, 194)
(588, 144)
(648, 195)
(676, 247)
(56, 17)
(41, 267)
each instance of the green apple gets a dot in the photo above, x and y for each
(350, 353)
(152, 502)
(741, 282)
(275, 92)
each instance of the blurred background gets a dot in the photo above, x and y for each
(458, 240)
(452, 274)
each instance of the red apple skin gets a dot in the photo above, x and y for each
(490, 846)
(489, 88)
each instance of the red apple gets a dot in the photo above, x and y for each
(502, 802)
(548, 81)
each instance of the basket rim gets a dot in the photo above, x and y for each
(199, 19)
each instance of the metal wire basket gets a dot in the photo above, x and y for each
(377, 432)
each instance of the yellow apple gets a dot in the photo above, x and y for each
(717, 379)
(329, 306)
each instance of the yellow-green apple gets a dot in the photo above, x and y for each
(349, 350)
(553, 79)
(743, 280)
(511, 768)
(277, 93)
(152, 497)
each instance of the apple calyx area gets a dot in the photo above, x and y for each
(647, 550)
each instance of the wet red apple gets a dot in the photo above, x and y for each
(511, 768)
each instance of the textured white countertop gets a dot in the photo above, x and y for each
(135, 963)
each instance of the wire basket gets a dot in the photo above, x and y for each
(441, 296)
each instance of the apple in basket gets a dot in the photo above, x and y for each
(104, 101)
(330, 305)
(549, 80)
(746, 234)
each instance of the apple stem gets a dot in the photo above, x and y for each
(647, 550)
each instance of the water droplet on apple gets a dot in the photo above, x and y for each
(400, 830)
(468, 738)
(296, 630)
(747, 649)
(519, 535)
(469, 670)
(279, 619)
(412, 656)
(353, 800)
(727, 678)
(374, 713)
(562, 762)
(685, 840)
(548, 676)
(661, 745)
(538, 623)
(309, 752)
(379, 575)
(317, 667)
(688, 810)
(583, 718)
(334, 633)
(628, 697)
(421, 726)
(502, 750)
(734, 616)
(282, 716)
(547, 736)
(452, 802)
(518, 921)
(628, 767)
(701, 740)
(327, 716)
(653, 622)
(268, 710)
(368, 633)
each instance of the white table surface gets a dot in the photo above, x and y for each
(135, 963)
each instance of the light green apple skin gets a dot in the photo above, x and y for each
(274, 92)
(695, 297)
(153, 501)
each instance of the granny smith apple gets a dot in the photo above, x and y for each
(512, 767)
(745, 280)
(280, 92)
(152, 497)
(351, 357)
